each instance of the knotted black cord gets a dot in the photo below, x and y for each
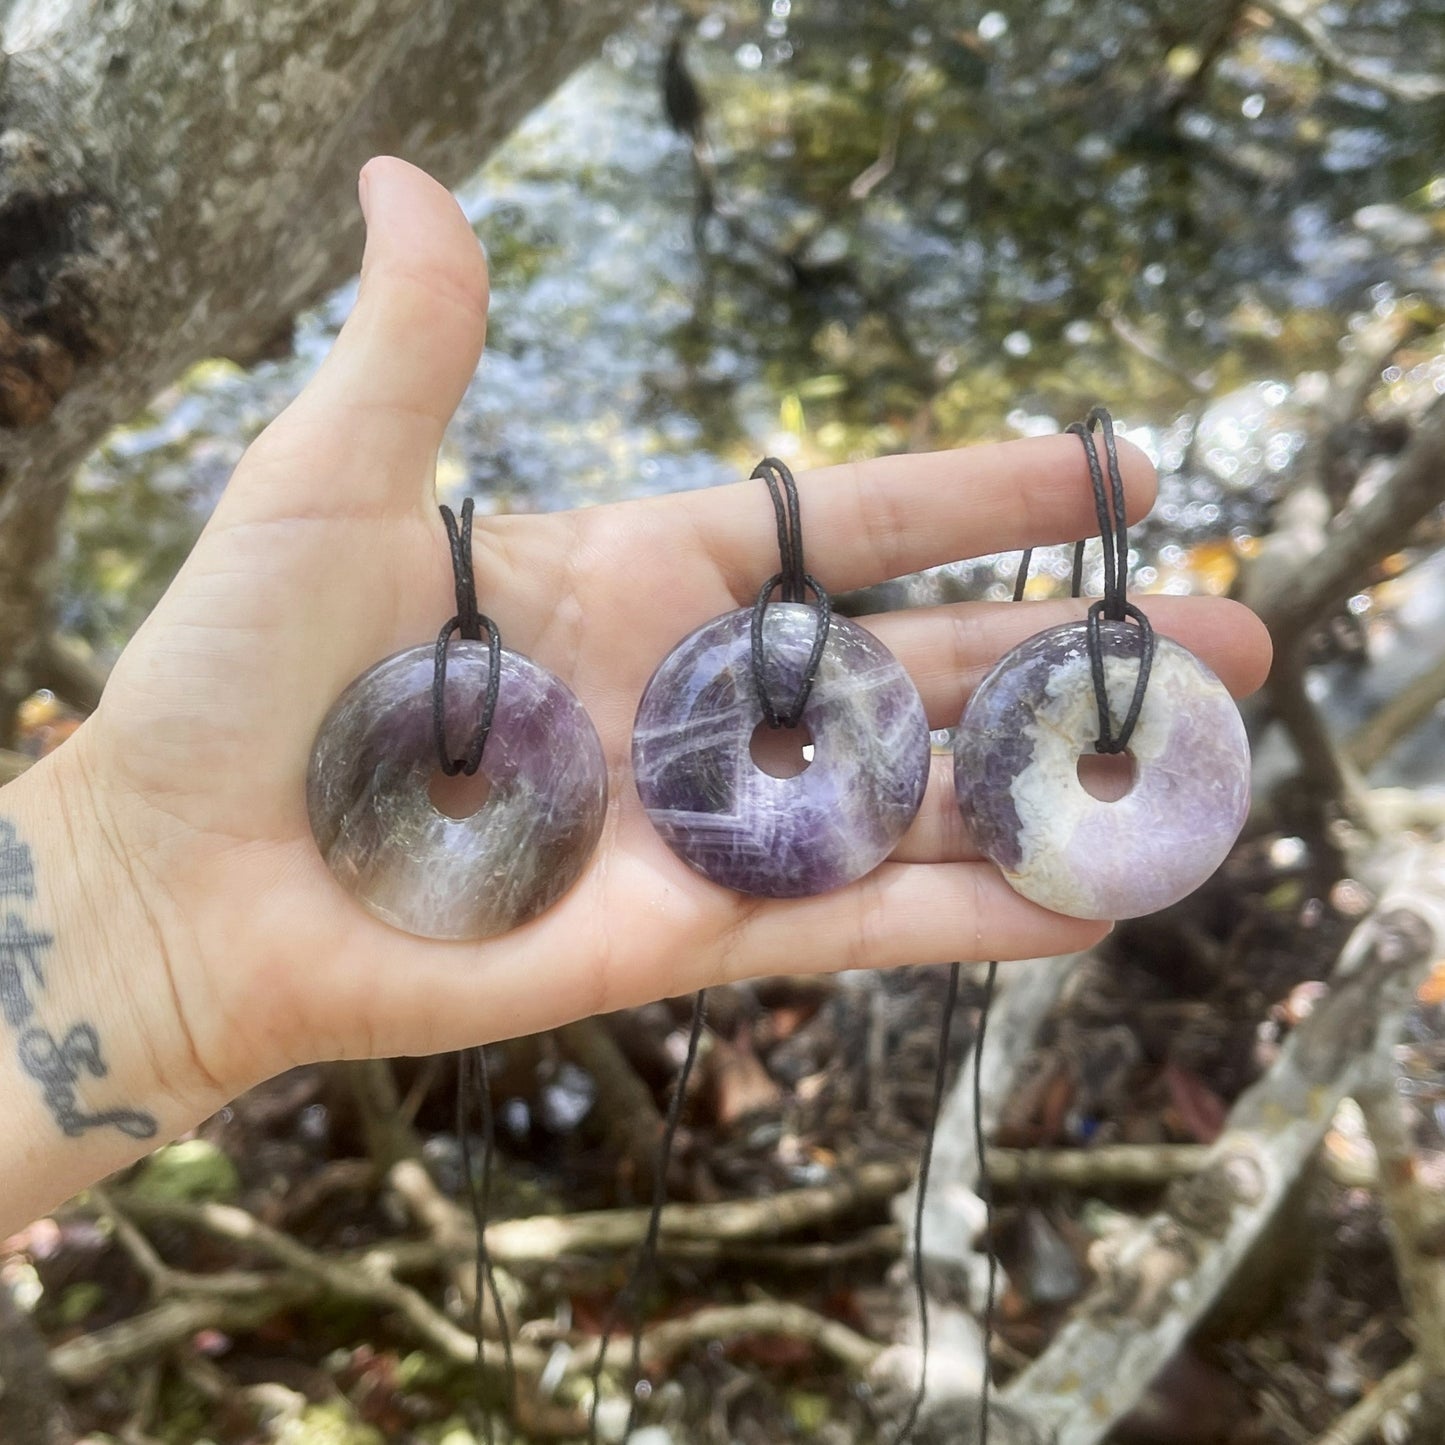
(1114, 605)
(470, 623)
(645, 1263)
(473, 1089)
(795, 583)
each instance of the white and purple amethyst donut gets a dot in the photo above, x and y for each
(1016, 758)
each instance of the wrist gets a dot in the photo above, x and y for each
(96, 1066)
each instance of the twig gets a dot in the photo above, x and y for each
(378, 1103)
(159, 1275)
(1113, 1166)
(1360, 1422)
(662, 1343)
(1294, 16)
(1197, 385)
(91, 1357)
(1399, 717)
(1416, 1215)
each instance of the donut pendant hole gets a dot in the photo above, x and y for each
(1107, 776)
(782, 752)
(459, 796)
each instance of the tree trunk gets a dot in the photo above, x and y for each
(177, 180)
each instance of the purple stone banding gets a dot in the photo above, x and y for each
(367, 792)
(1016, 757)
(740, 826)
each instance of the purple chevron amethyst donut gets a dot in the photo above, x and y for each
(1016, 759)
(367, 791)
(744, 828)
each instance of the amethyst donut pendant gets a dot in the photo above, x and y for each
(367, 792)
(740, 826)
(1015, 772)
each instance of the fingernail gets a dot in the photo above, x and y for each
(363, 190)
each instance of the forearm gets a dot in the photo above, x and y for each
(84, 1085)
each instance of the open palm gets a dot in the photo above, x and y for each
(327, 553)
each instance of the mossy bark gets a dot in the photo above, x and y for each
(177, 180)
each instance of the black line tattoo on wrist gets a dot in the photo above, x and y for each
(57, 1065)
(21, 950)
(17, 871)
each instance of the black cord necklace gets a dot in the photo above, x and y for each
(474, 1096)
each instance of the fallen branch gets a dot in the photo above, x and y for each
(543, 1238)
(1162, 1276)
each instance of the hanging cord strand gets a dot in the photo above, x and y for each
(920, 1199)
(625, 1306)
(985, 1193)
(1114, 605)
(474, 1096)
(985, 1183)
(470, 624)
(794, 583)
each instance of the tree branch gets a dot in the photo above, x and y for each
(1293, 598)
(1294, 16)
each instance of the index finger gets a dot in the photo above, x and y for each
(867, 521)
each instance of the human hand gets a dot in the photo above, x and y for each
(326, 553)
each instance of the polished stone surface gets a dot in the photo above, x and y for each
(373, 763)
(1015, 771)
(742, 827)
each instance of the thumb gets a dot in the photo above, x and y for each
(362, 437)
